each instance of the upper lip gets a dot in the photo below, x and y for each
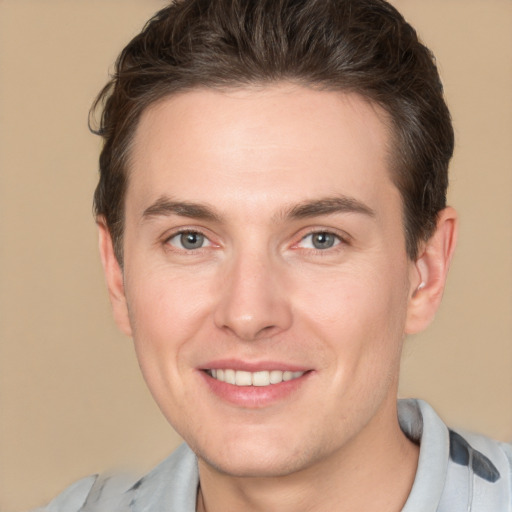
(252, 366)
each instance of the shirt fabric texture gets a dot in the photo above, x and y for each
(457, 472)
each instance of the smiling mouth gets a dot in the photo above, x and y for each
(260, 379)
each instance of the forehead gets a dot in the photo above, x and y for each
(285, 138)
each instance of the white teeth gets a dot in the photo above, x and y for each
(260, 379)
(263, 378)
(230, 376)
(243, 378)
(276, 376)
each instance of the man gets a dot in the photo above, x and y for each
(273, 222)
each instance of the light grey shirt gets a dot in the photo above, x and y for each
(456, 473)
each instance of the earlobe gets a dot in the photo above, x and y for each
(430, 272)
(114, 278)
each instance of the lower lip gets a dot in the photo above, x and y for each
(254, 397)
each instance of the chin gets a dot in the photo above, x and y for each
(257, 460)
(256, 468)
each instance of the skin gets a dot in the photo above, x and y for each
(259, 291)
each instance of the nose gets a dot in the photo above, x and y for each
(253, 303)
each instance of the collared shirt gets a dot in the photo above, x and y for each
(456, 473)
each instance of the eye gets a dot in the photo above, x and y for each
(321, 240)
(189, 240)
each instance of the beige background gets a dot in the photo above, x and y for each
(72, 401)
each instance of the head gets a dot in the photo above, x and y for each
(271, 208)
(361, 46)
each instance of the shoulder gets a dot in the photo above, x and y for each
(488, 459)
(172, 484)
(482, 467)
(457, 471)
(73, 498)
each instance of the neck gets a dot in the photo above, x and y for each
(375, 471)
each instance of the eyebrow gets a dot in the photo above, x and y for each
(328, 206)
(165, 206)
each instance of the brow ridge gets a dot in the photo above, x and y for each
(165, 206)
(329, 206)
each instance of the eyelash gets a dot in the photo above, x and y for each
(182, 232)
(339, 241)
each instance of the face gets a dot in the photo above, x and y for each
(266, 282)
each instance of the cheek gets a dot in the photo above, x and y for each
(351, 293)
(166, 316)
(166, 304)
(360, 311)
(166, 312)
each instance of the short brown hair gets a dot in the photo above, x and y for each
(362, 46)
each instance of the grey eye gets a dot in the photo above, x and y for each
(320, 241)
(323, 240)
(189, 240)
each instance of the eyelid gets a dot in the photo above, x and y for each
(186, 230)
(342, 237)
(337, 240)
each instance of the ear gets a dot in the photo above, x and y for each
(114, 278)
(430, 271)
